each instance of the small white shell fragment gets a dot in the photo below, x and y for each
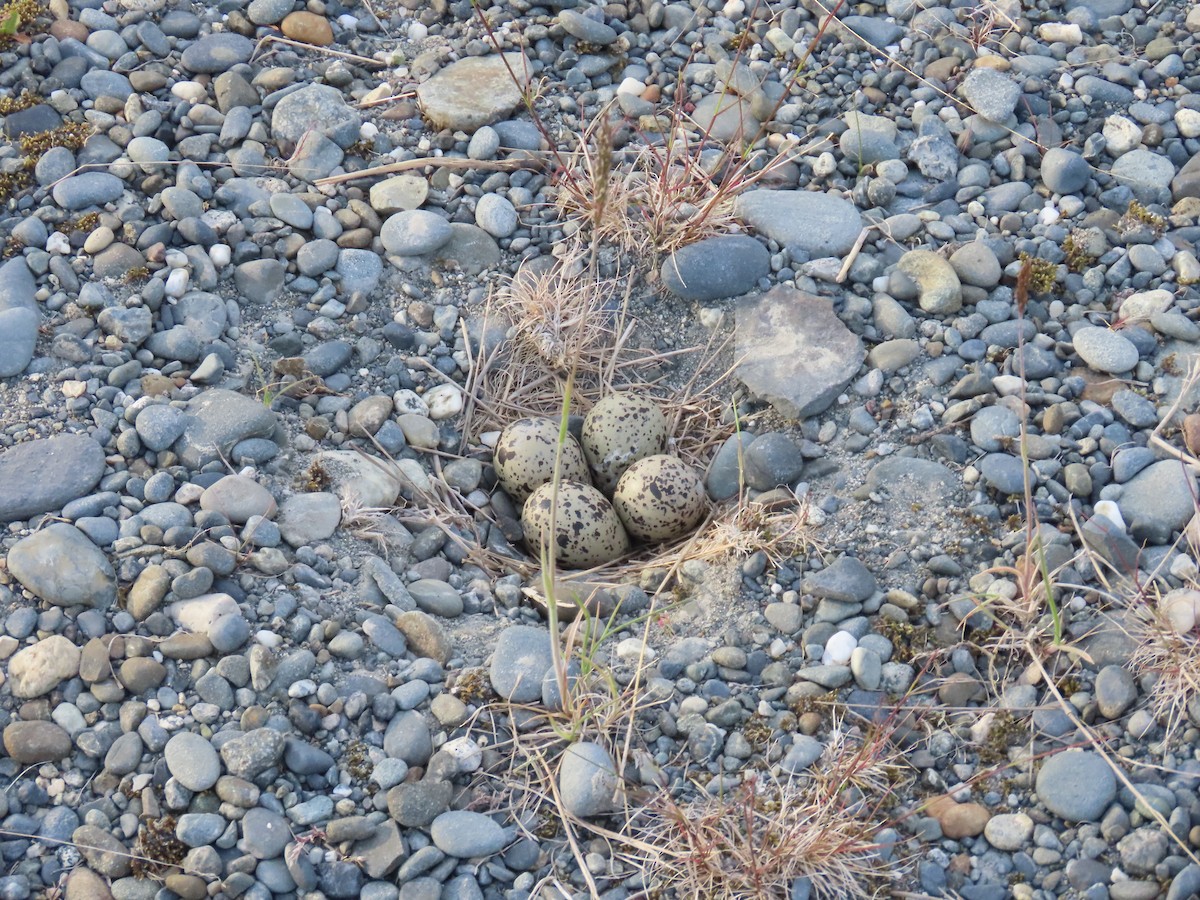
(1109, 510)
(838, 649)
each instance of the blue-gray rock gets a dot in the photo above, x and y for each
(868, 139)
(385, 636)
(259, 280)
(772, 460)
(17, 286)
(264, 833)
(1135, 409)
(1115, 691)
(875, 30)
(268, 12)
(991, 93)
(315, 107)
(159, 426)
(199, 829)
(467, 835)
(87, 189)
(1158, 501)
(716, 267)
(993, 427)
(303, 758)
(587, 780)
(18, 339)
(216, 420)
(192, 761)
(436, 598)
(1076, 785)
(359, 270)
(1104, 349)
(1003, 472)
(105, 83)
(317, 257)
(519, 660)
(131, 325)
(45, 474)
(803, 752)
(1147, 173)
(37, 562)
(407, 737)
(1103, 92)
(216, 53)
(496, 215)
(846, 580)
(585, 28)
(1065, 171)
(40, 117)
(327, 358)
(724, 477)
(819, 224)
(414, 232)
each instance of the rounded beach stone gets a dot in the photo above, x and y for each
(1076, 785)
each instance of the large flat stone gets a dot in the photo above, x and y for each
(819, 224)
(44, 475)
(215, 421)
(473, 92)
(794, 352)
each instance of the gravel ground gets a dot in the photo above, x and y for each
(268, 627)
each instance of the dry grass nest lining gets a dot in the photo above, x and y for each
(566, 317)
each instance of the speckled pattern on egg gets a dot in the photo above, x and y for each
(659, 498)
(621, 429)
(587, 531)
(524, 457)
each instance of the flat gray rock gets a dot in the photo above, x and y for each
(18, 338)
(1158, 500)
(216, 420)
(467, 834)
(473, 92)
(45, 474)
(519, 660)
(318, 108)
(192, 761)
(794, 351)
(39, 562)
(819, 224)
(215, 53)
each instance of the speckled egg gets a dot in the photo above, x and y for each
(660, 498)
(587, 531)
(621, 429)
(524, 457)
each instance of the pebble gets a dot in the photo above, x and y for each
(716, 268)
(520, 657)
(467, 835)
(1076, 785)
(1104, 350)
(587, 780)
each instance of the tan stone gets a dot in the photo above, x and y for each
(41, 668)
(308, 28)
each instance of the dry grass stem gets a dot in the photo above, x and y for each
(758, 840)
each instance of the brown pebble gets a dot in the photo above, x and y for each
(1191, 433)
(68, 28)
(308, 28)
(959, 820)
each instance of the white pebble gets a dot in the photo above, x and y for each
(631, 86)
(305, 687)
(1181, 608)
(838, 649)
(368, 130)
(444, 401)
(348, 22)
(631, 650)
(417, 32)
(1109, 510)
(58, 243)
(465, 752)
(220, 254)
(177, 283)
(268, 639)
